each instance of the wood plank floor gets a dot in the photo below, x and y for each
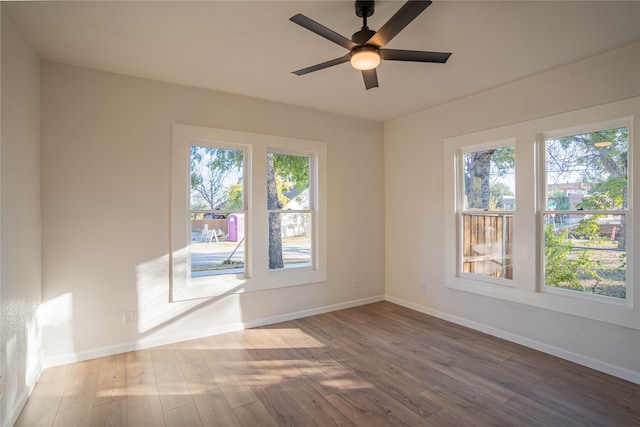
(375, 365)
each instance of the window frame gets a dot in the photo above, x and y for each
(542, 197)
(461, 211)
(312, 210)
(257, 275)
(232, 278)
(527, 246)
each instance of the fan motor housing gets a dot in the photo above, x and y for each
(362, 36)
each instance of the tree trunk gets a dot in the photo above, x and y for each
(477, 180)
(275, 233)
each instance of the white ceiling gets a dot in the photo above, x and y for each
(250, 47)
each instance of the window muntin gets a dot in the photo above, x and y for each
(290, 201)
(216, 211)
(487, 189)
(585, 212)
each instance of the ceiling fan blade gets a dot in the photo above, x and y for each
(413, 55)
(407, 13)
(324, 65)
(322, 31)
(370, 78)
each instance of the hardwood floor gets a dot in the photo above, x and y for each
(375, 365)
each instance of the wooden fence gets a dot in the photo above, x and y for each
(213, 224)
(488, 244)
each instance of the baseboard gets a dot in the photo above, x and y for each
(10, 419)
(597, 365)
(201, 333)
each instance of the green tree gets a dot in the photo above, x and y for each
(562, 269)
(497, 193)
(560, 199)
(235, 197)
(600, 158)
(210, 171)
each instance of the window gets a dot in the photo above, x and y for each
(216, 211)
(289, 208)
(571, 248)
(228, 226)
(585, 211)
(487, 208)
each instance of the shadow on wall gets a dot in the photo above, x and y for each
(156, 312)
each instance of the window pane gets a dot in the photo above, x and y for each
(487, 245)
(217, 245)
(288, 181)
(583, 252)
(216, 178)
(588, 171)
(489, 179)
(293, 249)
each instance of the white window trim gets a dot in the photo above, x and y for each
(257, 275)
(526, 287)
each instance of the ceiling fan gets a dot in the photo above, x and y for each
(366, 46)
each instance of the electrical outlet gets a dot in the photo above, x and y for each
(127, 318)
(423, 288)
(356, 283)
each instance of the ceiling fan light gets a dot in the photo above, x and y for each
(365, 58)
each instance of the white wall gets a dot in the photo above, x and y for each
(106, 146)
(415, 256)
(20, 276)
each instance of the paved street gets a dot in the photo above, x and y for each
(208, 258)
